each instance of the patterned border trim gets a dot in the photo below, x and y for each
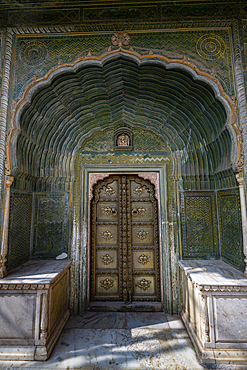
(126, 26)
(4, 101)
(24, 286)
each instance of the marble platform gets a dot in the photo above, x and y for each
(119, 340)
(215, 310)
(33, 309)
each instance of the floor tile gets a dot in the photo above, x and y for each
(156, 320)
(175, 322)
(97, 320)
(119, 341)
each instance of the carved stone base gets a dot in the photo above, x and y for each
(33, 309)
(214, 355)
(214, 305)
(31, 353)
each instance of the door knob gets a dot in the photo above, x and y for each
(135, 212)
(113, 211)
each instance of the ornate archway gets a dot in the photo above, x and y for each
(186, 109)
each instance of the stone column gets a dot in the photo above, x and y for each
(240, 180)
(4, 244)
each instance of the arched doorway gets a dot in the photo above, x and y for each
(184, 128)
(125, 252)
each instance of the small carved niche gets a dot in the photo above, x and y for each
(123, 139)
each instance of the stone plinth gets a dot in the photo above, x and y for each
(215, 310)
(33, 309)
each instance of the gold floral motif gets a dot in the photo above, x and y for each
(143, 284)
(108, 211)
(143, 259)
(120, 39)
(107, 283)
(109, 190)
(142, 234)
(138, 190)
(107, 259)
(106, 235)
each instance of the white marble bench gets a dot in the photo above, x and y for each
(214, 310)
(33, 309)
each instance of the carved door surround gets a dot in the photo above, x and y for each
(124, 239)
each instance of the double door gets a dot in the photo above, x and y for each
(124, 240)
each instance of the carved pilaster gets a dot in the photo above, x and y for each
(4, 245)
(44, 317)
(3, 124)
(204, 319)
(240, 180)
(239, 77)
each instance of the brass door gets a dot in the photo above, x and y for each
(125, 241)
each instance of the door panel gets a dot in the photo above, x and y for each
(107, 285)
(143, 259)
(142, 211)
(107, 211)
(107, 259)
(107, 234)
(142, 235)
(139, 191)
(124, 248)
(109, 191)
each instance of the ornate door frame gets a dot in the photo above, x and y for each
(124, 202)
(89, 175)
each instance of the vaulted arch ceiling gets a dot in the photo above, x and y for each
(187, 109)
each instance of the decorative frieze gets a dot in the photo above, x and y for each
(24, 286)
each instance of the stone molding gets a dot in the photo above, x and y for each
(215, 288)
(24, 286)
(107, 27)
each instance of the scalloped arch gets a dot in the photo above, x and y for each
(172, 98)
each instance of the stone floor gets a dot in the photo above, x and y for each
(118, 340)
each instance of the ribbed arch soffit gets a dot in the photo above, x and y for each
(187, 108)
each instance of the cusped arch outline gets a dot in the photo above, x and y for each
(39, 136)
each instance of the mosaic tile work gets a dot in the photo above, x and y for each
(147, 148)
(19, 228)
(50, 225)
(231, 228)
(121, 11)
(144, 141)
(199, 225)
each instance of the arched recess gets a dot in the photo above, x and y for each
(172, 99)
(187, 108)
